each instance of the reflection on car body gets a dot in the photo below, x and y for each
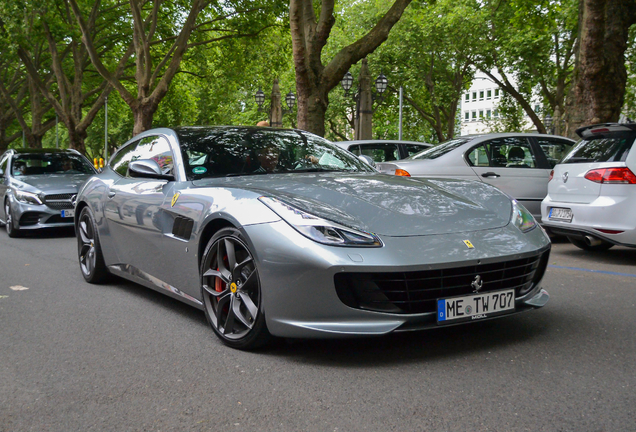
(321, 246)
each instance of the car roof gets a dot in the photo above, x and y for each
(42, 150)
(354, 142)
(509, 134)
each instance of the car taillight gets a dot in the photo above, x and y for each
(401, 172)
(551, 176)
(611, 176)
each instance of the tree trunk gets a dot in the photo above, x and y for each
(309, 37)
(599, 79)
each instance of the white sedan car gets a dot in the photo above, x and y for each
(592, 192)
(517, 163)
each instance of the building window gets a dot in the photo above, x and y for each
(495, 113)
(474, 115)
(481, 95)
(467, 97)
(466, 116)
(474, 96)
(481, 114)
(537, 109)
(496, 93)
(488, 94)
(487, 114)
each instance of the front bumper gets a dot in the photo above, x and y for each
(33, 217)
(299, 291)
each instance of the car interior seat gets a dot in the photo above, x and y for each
(516, 157)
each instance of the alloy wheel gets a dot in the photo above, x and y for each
(231, 288)
(87, 253)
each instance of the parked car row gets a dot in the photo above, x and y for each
(280, 232)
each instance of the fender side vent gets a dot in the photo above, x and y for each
(182, 227)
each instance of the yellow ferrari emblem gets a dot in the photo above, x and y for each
(175, 197)
(233, 287)
(469, 244)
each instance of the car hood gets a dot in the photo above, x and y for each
(53, 183)
(387, 205)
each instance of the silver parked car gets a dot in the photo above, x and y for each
(518, 164)
(383, 150)
(279, 232)
(38, 188)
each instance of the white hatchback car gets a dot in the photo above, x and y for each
(592, 192)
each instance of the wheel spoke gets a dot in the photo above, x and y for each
(231, 254)
(83, 229)
(250, 306)
(220, 262)
(238, 313)
(216, 273)
(228, 326)
(242, 264)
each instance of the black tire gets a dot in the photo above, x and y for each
(231, 291)
(580, 243)
(89, 250)
(13, 231)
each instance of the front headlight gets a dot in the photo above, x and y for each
(522, 218)
(319, 229)
(27, 197)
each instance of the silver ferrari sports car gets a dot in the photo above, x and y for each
(275, 232)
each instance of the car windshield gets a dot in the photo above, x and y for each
(609, 148)
(28, 164)
(438, 150)
(225, 152)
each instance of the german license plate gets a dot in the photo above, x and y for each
(68, 213)
(475, 306)
(562, 214)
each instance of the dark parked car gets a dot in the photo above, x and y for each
(38, 188)
(383, 150)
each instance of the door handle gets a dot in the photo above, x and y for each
(491, 174)
(111, 193)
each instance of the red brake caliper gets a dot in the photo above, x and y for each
(219, 286)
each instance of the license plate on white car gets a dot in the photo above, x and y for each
(68, 213)
(475, 306)
(562, 214)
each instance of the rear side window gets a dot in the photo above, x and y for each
(609, 148)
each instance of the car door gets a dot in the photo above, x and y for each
(511, 164)
(134, 204)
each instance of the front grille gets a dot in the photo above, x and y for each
(59, 201)
(416, 292)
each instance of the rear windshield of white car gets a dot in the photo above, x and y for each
(612, 147)
(439, 150)
(240, 151)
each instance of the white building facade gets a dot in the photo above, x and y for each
(479, 106)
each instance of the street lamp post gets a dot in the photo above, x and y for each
(548, 122)
(364, 98)
(274, 109)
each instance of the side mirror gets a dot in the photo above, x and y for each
(367, 159)
(147, 168)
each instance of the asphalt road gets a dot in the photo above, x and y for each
(120, 357)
